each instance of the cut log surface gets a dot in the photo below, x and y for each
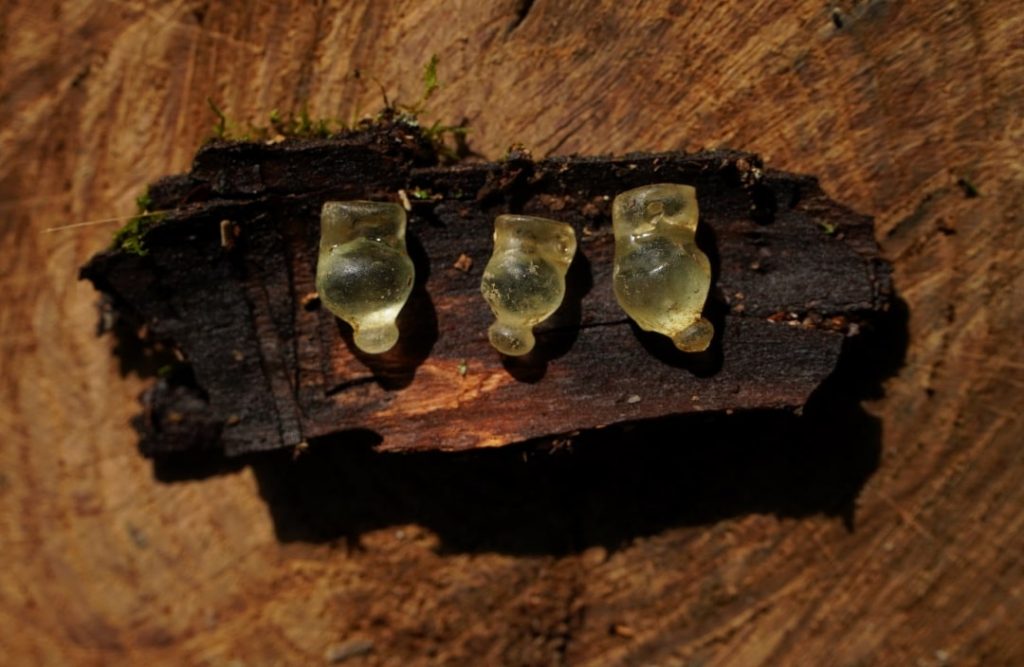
(268, 368)
(882, 526)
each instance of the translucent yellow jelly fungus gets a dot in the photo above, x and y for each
(661, 278)
(364, 274)
(524, 281)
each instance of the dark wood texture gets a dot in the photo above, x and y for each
(267, 368)
(884, 527)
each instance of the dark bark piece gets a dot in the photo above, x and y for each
(794, 274)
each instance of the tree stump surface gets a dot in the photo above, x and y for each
(883, 526)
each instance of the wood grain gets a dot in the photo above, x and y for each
(897, 544)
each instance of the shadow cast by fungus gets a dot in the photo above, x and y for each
(607, 487)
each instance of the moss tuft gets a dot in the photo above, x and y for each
(448, 141)
(277, 128)
(130, 238)
(144, 202)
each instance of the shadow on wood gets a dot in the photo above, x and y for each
(605, 487)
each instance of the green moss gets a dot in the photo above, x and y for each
(430, 83)
(305, 126)
(130, 237)
(220, 128)
(278, 126)
(144, 202)
(412, 112)
(449, 141)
